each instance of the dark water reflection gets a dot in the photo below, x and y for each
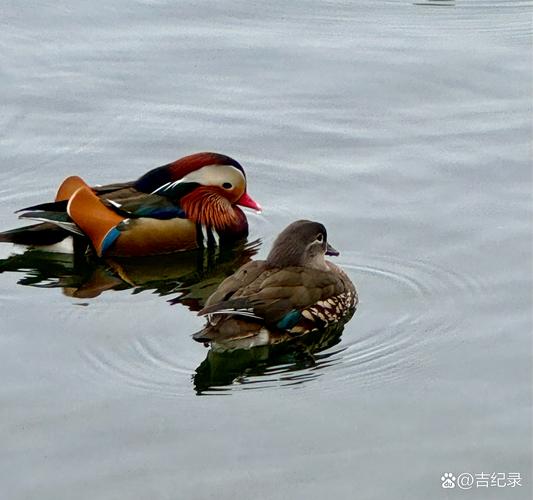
(192, 275)
(186, 278)
(285, 364)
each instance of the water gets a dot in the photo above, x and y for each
(403, 128)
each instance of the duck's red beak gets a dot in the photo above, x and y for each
(247, 201)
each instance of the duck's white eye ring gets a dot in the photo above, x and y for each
(320, 237)
(227, 185)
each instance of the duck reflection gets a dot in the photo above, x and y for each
(192, 275)
(188, 278)
(223, 368)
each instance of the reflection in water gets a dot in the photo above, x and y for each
(193, 275)
(414, 303)
(290, 362)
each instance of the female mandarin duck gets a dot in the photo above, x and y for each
(293, 292)
(189, 203)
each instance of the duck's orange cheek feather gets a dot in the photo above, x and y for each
(209, 206)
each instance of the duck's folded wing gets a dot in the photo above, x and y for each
(122, 198)
(242, 280)
(132, 203)
(276, 297)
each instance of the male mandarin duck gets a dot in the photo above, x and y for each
(293, 292)
(189, 203)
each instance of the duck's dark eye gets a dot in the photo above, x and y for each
(320, 237)
(227, 185)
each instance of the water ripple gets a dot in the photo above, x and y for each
(429, 302)
(405, 308)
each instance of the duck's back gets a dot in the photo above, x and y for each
(292, 299)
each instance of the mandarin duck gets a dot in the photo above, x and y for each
(293, 292)
(187, 204)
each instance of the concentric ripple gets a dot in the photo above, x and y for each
(142, 364)
(406, 309)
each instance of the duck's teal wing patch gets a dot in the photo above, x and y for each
(289, 320)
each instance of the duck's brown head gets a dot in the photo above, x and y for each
(303, 243)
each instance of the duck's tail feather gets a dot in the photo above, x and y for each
(59, 219)
(67, 188)
(56, 223)
(54, 206)
(45, 233)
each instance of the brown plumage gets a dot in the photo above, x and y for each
(294, 291)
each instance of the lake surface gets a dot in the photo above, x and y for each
(403, 128)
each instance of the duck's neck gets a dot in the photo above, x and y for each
(317, 262)
(206, 206)
(291, 256)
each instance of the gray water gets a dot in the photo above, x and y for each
(403, 128)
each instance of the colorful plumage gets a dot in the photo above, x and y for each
(189, 203)
(291, 293)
